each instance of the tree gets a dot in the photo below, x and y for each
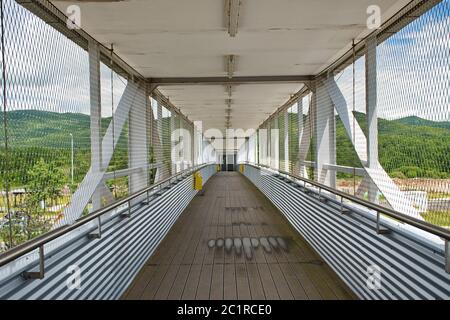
(45, 183)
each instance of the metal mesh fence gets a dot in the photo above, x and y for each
(45, 124)
(282, 124)
(414, 112)
(377, 126)
(77, 131)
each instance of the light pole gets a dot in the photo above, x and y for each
(71, 157)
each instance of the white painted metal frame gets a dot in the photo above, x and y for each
(377, 174)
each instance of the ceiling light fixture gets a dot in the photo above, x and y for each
(231, 60)
(232, 16)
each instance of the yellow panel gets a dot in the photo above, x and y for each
(198, 181)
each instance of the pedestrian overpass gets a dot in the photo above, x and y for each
(236, 149)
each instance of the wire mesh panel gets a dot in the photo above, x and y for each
(350, 83)
(280, 120)
(78, 132)
(112, 89)
(306, 141)
(156, 139)
(186, 144)
(162, 139)
(274, 141)
(252, 148)
(263, 144)
(176, 136)
(166, 144)
(387, 116)
(45, 141)
(413, 107)
(293, 142)
(377, 125)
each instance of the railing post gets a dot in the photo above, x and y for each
(447, 256)
(380, 230)
(128, 214)
(41, 273)
(97, 235)
(343, 210)
(321, 199)
(306, 189)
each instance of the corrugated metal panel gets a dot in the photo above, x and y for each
(410, 268)
(108, 265)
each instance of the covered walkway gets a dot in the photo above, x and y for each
(232, 243)
(333, 114)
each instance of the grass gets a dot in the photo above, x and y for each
(437, 195)
(440, 218)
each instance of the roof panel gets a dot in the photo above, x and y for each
(179, 38)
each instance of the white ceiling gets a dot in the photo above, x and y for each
(188, 38)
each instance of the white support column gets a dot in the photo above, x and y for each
(385, 184)
(198, 142)
(192, 150)
(194, 145)
(269, 143)
(325, 135)
(257, 149)
(156, 146)
(182, 143)
(262, 145)
(189, 145)
(371, 112)
(96, 116)
(275, 145)
(93, 177)
(266, 135)
(159, 128)
(301, 149)
(247, 148)
(149, 117)
(286, 141)
(137, 142)
(174, 142)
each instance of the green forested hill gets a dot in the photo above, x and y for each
(33, 135)
(408, 147)
(31, 128)
(416, 121)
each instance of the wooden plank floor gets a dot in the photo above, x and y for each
(232, 243)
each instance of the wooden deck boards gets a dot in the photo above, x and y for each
(211, 252)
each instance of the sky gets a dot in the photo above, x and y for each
(413, 70)
(46, 71)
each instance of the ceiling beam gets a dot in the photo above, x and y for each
(229, 81)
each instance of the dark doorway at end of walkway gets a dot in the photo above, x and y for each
(228, 162)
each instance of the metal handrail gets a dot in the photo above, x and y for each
(40, 241)
(423, 225)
